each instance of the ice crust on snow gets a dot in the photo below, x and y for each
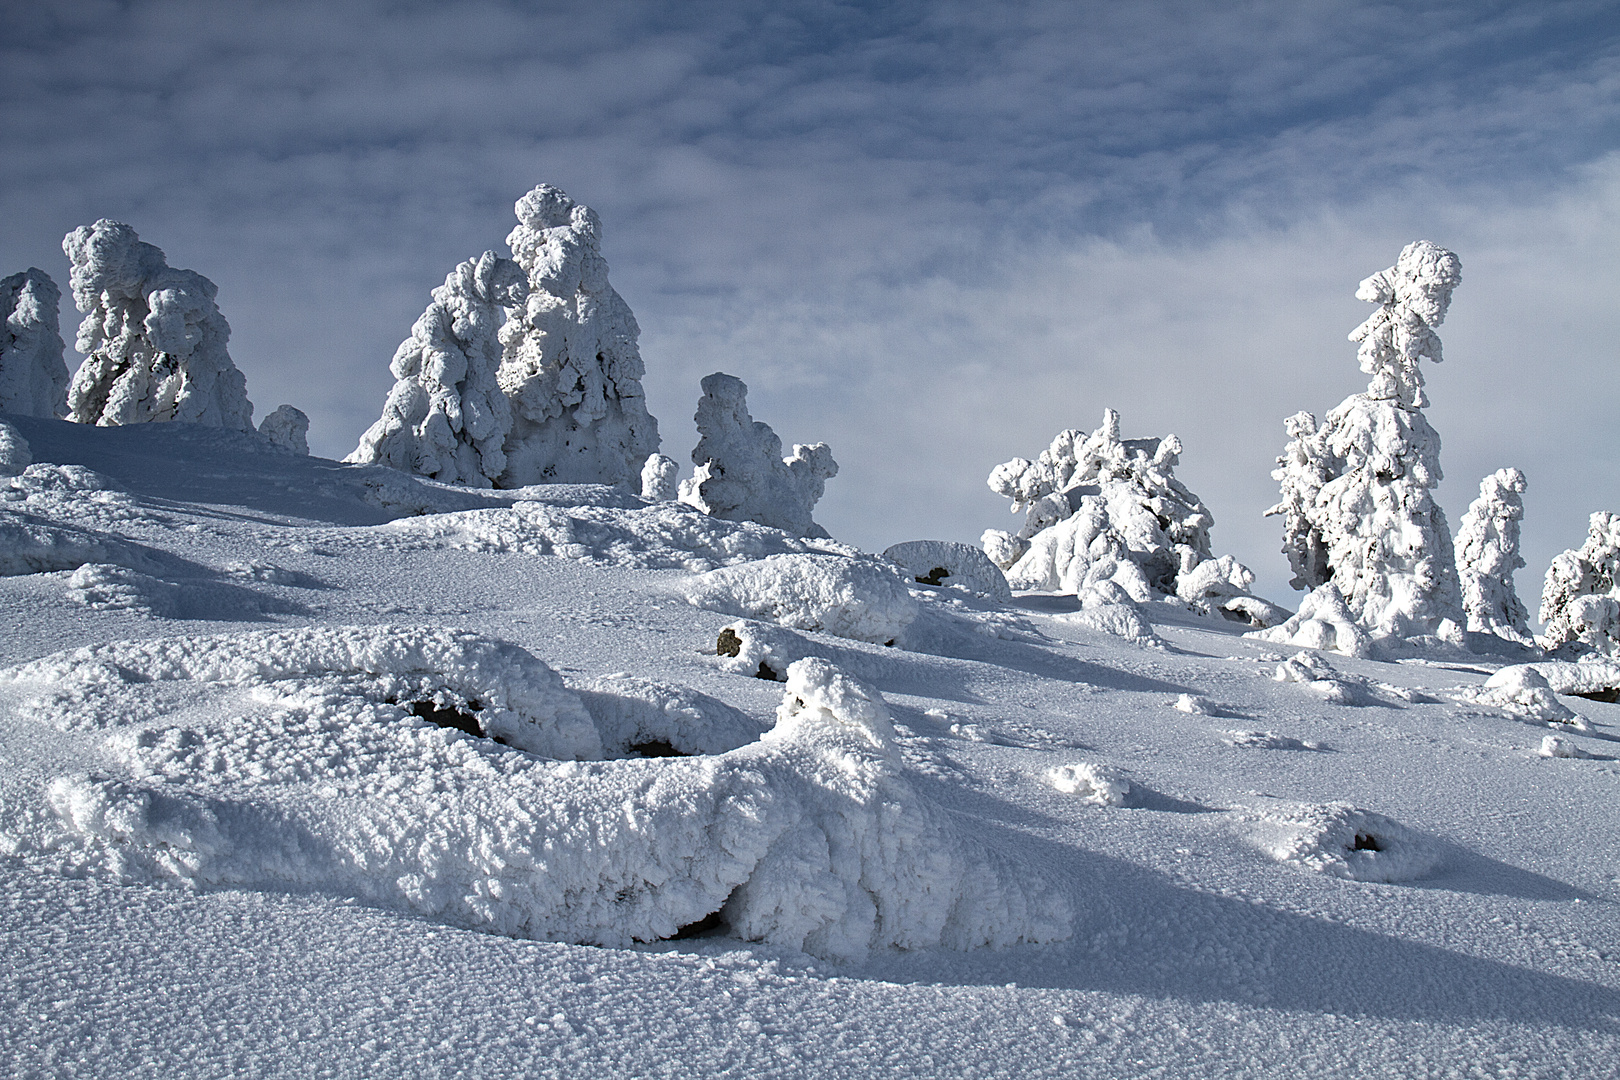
(1487, 555)
(570, 365)
(853, 598)
(153, 338)
(943, 562)
(447, 416)
(1580, 600)
(287, 428)
(33, 375)
(741, 473)
(1342, 840)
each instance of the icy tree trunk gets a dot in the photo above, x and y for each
(33, 375)
(1487, 556)
(571, 367)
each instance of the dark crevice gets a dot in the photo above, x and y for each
(767, 674)
(1610, 694)
(1366, 842)
(656, 748)
(936, 576)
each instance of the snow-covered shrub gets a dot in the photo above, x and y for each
(941, 562)
(1487, 556)
(33, 375)
(1323, 622)
(1099, 785)
(1344, 841)
(15, 454)
(1358, 501)
(852, 598)
(447, 417)
(570, 367)
(1580, 601)
(153, 338)
(741, 474)
(287, 428)
(659, 478)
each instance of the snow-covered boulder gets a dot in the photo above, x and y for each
(942, 562)
(570, 366)
(1522, 691)
(447, 416)
(1487, 556)
(287, 428)
(1345, 841)
(33, 375)
(1580, 600)
(153, 338)
(860, 599)
(741, 473)
(659, 478)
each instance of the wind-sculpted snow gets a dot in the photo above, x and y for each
(33, 375)
(1580, 600)
(942, 562)
(644, 716)
(741, 473)
(570, 365)
(1342, 840)
(447, 416)
(1488, 554)
(153, 338)
(660, 478)
(846, 597)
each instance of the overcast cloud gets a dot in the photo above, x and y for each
(931, 234)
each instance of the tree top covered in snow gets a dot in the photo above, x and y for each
(1412, 298)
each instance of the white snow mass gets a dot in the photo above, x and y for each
(33, 375)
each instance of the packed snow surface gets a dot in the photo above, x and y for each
(321, 769)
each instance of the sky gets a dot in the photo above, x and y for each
(931, 235)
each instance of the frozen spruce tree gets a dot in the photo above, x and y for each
(1487, 556)
(1580, 602)
(741, 473)
(33, 375)
(1358, 502)
(571, 367)
(447, 417)
(153, 338)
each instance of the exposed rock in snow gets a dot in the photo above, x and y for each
(15, 456)
(741, 474)
(33, 375)
(287, 428)
(1487, 556)
(1522, 691)
(659, 478)
(1099, 785)
(1580, 601)
(941, 562)
(853, 598)
(571, 367)
(153, 338)
(447, 416)
(1341, 840)
(1323, 622)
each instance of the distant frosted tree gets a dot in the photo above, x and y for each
(153, 338)
(447, 416)
(33, 375)
(659, 478)
(288, 428)
(1580, 602)
(571, 367)
(1487, 556)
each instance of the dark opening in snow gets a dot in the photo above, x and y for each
(656, 748)
(729, 644)
(936, 576)
(461, 719)
(711, 925)
(767, 674)
(1366, 842)
(1610, 694)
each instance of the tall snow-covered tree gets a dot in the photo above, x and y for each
(1487, 556)
(33, 375)
(153, 338)
(1580, 601)
(447, 416)
(571, 367)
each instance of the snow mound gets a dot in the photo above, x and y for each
(1266, 740)
(1121, 618)
(15, 455)
(1580, 601)
(1193, 705)
(30, 545)
(1488, 554)
(1556, 746)
(33, 375)
(851, 598)
(287, 428)
(107, 587)
(1341, 840)
(1317, 676)
(1590, 677)
(1099, 785)
(942, 562)
(764, 651)
(653, 719)
(1522, 691)
(1323, 622)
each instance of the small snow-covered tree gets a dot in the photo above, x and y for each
(288, 428)
(1487, 556)
(153, 338)
(33, 375)
(571, 366)
(447, 416)
(1358, 500)
(1580, 602)
(741, 473)
(659, 478)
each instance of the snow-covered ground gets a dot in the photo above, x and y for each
(253, 825)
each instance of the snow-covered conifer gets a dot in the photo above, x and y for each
(447, 416)
(288, 428)
(1580, 602)
(1302, 470)
(153, 338)
(741, 474)
(571, 366)
(1487, 556)
(659, 478)
(33, 375)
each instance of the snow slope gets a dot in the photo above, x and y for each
(1007, 845)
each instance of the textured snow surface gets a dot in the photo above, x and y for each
(1344, 841)
(33, 375)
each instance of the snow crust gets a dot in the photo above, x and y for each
(741, 473)
(570, 365)
(964, 567)
(33, 375)
(851, 598)
(153, 338)
(1580, 600)
(1487, 556)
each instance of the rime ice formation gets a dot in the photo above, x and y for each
(153, 338)
(659, 478)
(15, 455)
(570, 367)
(288, 428)
(1101, 509)
(741, 474)
(33, 375)
(447, 416)
(1487, 555)
(1358, 501)
(1580, 601)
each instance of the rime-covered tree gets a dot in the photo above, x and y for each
(571, 367)
(33, 375)
(1580, 602)
(447, 416)
(153, 338)
(1487, 556)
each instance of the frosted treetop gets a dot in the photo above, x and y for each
(1412, 298)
